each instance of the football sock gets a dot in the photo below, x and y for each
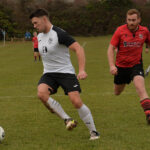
(34, 58)
(86, 117)
(56, 107)
(146, 106)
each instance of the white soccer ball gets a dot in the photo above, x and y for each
(2, 134)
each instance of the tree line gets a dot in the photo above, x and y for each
(95, 18)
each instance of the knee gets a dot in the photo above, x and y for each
(77, 104)
(43, 96)
(117, 93)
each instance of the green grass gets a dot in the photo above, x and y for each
(29, 126)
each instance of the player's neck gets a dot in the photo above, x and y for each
(48, 27)
(134, 30)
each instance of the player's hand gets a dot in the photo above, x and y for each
(82, 75)
(113, 70)
(146, 50)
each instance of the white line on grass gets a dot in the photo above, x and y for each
(84, 43)
(60, 95)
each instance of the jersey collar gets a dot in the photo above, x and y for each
(135, 30)
(49, 30)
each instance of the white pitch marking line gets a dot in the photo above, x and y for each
(58, 95)
(84, 44)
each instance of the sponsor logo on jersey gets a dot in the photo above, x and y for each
(50, 40)
(44, 49)
(141, 36)
(132, 44)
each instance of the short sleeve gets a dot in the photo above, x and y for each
(63, 37)
(115, 38)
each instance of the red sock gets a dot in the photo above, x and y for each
(146, 106)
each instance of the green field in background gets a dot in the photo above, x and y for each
(29, 126)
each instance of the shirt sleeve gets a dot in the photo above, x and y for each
(65, 38)
(115, 38)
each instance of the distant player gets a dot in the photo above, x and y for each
(54, 45)
(129, 40)
(27, 36)
(35, 46)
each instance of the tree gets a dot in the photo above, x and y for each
(6, 22)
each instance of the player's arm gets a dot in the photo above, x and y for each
(110, 54)
(147, 48)
(147, 41)
(111, 51)
(67, 40)
(33, 44)
(81, 59)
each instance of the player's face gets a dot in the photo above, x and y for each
(38, 23)
(133, 21)
(35, 33)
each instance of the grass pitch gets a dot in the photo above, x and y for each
(29, 126)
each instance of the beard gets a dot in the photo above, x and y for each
(133, 27)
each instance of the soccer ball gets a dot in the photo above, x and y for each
(2, 134)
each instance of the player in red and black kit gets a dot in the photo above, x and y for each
(35, 46)
(129, 40)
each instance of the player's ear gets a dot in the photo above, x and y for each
(44, 18)
(139, 19)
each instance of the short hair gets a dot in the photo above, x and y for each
(133, 11)
(39, 13)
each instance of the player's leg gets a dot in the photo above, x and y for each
(84, 113)
(118, 88)
(139, 84)
(35, 56)
(39, 56)
(43, 94)
(71, 86)
(144, 98)
(44, 90)
(121, 79)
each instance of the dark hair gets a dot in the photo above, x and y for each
(134, 11)
(39, 13)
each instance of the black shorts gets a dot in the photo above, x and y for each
(68, 82)
(126, 75)
(36, 50)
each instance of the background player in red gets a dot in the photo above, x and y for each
(129, 39)
(35, 46)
